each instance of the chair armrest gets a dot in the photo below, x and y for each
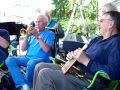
(11, 48)
(100, 73)
(57, 60)
(52, 59)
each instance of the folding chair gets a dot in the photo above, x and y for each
(113, 85)
(2, 64)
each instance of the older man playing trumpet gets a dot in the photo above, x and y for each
(38, 44)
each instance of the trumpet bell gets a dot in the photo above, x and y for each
(23, 31)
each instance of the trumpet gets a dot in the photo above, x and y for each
(23, 31)
(26, 32)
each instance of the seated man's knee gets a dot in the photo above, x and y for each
(45, 71)
(9, 60)
(31, 64)
(40, 66)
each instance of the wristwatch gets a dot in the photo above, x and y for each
(39, 37)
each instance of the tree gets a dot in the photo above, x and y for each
(86, 15)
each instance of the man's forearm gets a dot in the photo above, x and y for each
(3, 43)
(24, 45)
(45, 47)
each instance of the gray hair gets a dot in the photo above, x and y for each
(109, 7)
(43, 18)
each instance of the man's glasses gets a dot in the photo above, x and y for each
(102, 20)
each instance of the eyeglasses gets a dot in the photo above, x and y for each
(101, 20)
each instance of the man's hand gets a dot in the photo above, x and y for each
(69, 56)
(33, 31)
(79, 51)
(79, 55)
(57, 28)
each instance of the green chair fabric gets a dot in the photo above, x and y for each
(113, 85)
(10, 49)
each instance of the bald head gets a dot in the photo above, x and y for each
(109, 7)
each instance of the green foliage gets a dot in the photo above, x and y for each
(86, 18)
(61, 9)
(90, 15)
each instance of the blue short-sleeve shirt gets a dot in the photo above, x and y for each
(35, 50)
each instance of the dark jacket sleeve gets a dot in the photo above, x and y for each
(5, 34)
(113, 66)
